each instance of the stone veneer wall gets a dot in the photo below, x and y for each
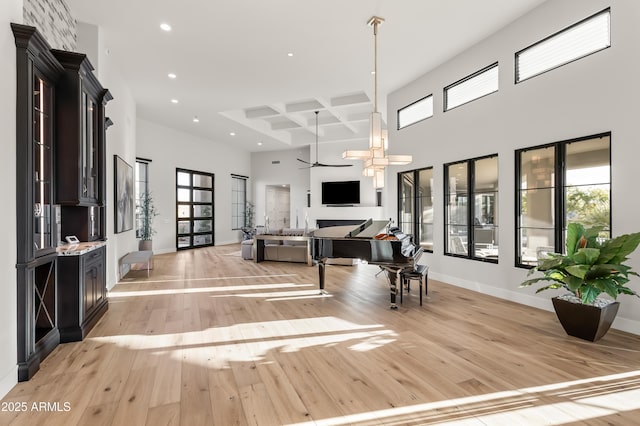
(54, 20)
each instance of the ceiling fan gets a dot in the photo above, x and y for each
(318, 164)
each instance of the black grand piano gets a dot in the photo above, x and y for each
(374, 241)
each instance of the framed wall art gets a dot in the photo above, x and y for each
(124, 195)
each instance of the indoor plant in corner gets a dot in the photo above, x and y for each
(147, 213)
(588, 269)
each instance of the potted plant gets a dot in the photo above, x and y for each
(146, 214)
(248, 231)
(590, 267)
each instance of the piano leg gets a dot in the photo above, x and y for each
(394, 279)
(321, 268)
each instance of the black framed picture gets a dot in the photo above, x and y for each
(124, 195)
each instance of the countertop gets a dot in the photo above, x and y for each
(80, 248)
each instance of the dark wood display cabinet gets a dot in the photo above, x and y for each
(37, 74)
(60, 175)
(85, 292)
(80, 147)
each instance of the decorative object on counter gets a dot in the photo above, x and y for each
(589, 268)
(146, 212)
(123, 195)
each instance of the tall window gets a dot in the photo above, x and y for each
(142, 186)
(558, 184)
(194, 206)
(471, 214)
(238, 201)
(415, 205)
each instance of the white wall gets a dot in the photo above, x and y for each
(170, 149)
(288, 172)
(10, 11)
(121, 137)
(592, 95)
(291, 171)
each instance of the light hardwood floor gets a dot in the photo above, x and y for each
(210, 339)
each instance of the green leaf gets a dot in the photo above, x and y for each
(578, 270)
(591, 235)
(574, 283)
(615, 250)
(533, 281)
(586, 256)
(575, 231)
(609, 286)
(549, 287)
(549, 263)
(589, 294)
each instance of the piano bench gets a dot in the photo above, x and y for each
(419, 273)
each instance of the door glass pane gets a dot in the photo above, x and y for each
(184, 210)
(184, 179)
(184, 194)
(184, 242)
(202, 226)
(184, 227)
(202, 181)
(200, 240)
(202, 211)
(201, 196)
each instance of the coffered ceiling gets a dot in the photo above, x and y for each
(254, 71)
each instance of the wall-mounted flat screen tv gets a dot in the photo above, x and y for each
(343, 192)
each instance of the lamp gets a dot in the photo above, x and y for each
(375, 158)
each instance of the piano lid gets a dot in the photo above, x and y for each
(365, 230)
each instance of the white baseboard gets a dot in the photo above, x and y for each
(620, 323)
(8, 381)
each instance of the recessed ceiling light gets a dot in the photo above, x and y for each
(174, 101)
(290, 54)
(171, 75)
(373, 73)
(232, 134)
(165, 27)
(259, 143)
(196, 119)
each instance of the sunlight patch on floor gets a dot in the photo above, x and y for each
(193, 290)
(182, 279)
(252, 341)
(553, 404)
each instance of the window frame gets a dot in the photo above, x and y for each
(235, 210)
(430, 96)
(141, 162)
(469, 77)
(471, 192)
(417, 218)
(559, 182)
(192, 187)
(517, 80)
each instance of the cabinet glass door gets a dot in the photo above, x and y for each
(88, 147)
(42, 166)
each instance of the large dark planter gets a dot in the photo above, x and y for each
(584, 321)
